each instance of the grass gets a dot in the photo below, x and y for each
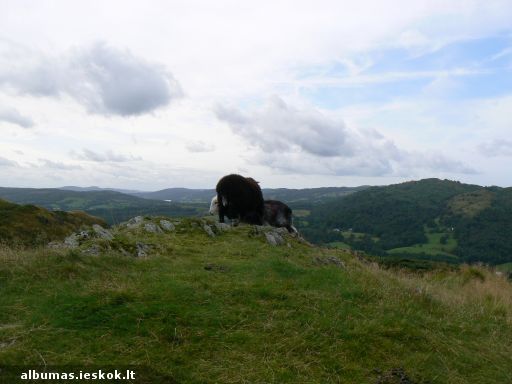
(31, 225)
(433, 246)
(506, 267)
(258, 314)
(301, 212)
(471, 204)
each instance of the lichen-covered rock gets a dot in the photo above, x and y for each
(329, 260)
(222, 227)
(208, 230)
(93, 250)
(83, 235)
(102, 232)
(274, 238)
(135, 222)
(152, 228)
(142, 249)
(167, 225)
(281, 231)
(71, 241)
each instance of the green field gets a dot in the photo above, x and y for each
(507, 267)
(234, 309)
(434, 246)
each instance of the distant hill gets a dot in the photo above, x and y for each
(94, 188)
(31, 225)
(111, 206)
(309, 195)
(114, 206)
(430, 218)
(182, 195)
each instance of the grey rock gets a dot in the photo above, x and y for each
(329, 260)
(167, 225)
(82, 235)
(274, 238)
(142, 249)
(71, 241)
(208, 230)
(135, 222)
(281, 231)
(222, 227)
(93, 250)
(102, 232)
(152, 228)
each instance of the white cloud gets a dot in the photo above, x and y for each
(496, 147)
(13, 116)
(107, 156)
(307, 141)
(279, 127)
(59, 165)
(7, 163)
(200, 146)
(104, 79)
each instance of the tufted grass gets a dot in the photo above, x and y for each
(258, 314)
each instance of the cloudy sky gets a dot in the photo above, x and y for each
(155, 94)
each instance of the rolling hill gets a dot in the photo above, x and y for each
(111, 206)
(431, 218)
(290, 196)
(31, 225)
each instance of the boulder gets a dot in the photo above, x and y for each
(102, 232)
(135, 222)
(208, 230)
(222, 226)
(142, 249)
(72, 241)
(152, 228)
(167, 225)
(274, 238)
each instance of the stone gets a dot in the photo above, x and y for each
(152, 228)
(281, 231)
(82, 235)
(208, 230)
(102, 232)
(329, 260)
(93, 250)
(135, 222)
(167, 225)
(71, 241)
(274, 238)
(222, 227)
(142, 249)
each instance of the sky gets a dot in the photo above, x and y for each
(156, 94)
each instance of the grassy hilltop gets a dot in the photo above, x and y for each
(31, 225)
(235, 309)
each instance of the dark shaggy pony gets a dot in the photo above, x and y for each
(240, 198)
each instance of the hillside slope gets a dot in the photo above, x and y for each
(111, 206)
(31, 225)
(430, 218)
(232, 308)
